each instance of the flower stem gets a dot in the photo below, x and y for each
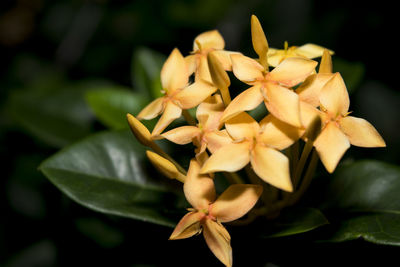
(160, 151)
(226, 97)
(233, 178)
(189, 119)
(300, 165)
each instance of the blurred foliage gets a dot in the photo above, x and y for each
(60, 60)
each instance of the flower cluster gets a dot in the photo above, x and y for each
(305, 106)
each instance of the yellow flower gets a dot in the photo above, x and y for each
(259, 145)
(203, 44)
(276, 56)
(209, 212)
(178, 95)
(270, 87)
(165, 166)
(206, 133)
(339, 129)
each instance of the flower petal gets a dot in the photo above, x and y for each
(218, 74)
(284, 104)
(228, 158)
(331, 145)
(218, 240)
(182, 135)
(260, 43)
(174, 73)
(272, 166)
(217, 139)
(311, 50)
(325, 67)
(360, 132)
(247, 100)
(224, 57)
(246, 69)
(334, 96)
(275, 56)
(235, 202)
(310, 90)
(242, 126)
(140, 131)
(165, 166)
(292, 71)
(194, 94)
(209, 39)
(309, 112)
(203, 71)
(278, 134)
(152, 110)
(209, 112)
(188, 226)
(171, 113)
(198, 188)
(191, 63)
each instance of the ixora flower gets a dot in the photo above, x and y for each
(270, 87)
(178, 95)
(339, 129)
(209, 212)
(203, 44)
(258, 145)
(206, 133)
(276, 56)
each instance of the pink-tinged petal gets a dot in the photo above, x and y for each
(283, 103)
(310, 90)
(198, 188)
(152, 110)
(194, 94)
(224, 57)
(278, 134)
(209, 112)
(182, 135)
(191, 63)
(311, 50)
(246, 69)
(210, 39)
(165, 166)
(171, 113)
(188, 226)
(360, 132)
(334, 96)
(325, 67)
(235, 202)
(331, 145)
(272, 166)
(242, 126)
(215, 140)
(247, 100)
(292, 71)
(174, 73)
(218, 240)
(228, 158)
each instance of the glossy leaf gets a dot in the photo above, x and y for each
(296, 220)
(146, 68)
(365, 195)
(111, 104)
(107, 173)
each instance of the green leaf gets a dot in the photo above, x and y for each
(107, 173)
(146, 68)
(111, 104)
(352, 72)
(57, 117)
(295, 220)
(364, 201)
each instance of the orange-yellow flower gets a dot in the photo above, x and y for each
(209, 212)
(206, 133)
(178, 95)
(203, 44)
(259, 145)
(339, 129)
(270, 87)
(276, 56)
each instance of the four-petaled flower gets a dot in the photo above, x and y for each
(209, 212)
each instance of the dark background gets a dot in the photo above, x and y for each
(45, 43)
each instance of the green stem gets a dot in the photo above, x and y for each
(189, 119)
(300, 165)
(233, 178)
(294, 155)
